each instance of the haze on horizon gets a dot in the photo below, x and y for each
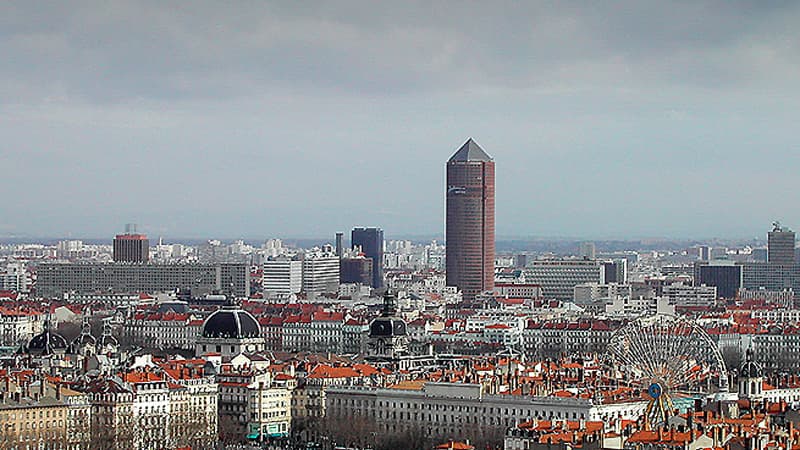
(203, 119)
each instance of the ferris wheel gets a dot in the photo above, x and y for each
(668, 358)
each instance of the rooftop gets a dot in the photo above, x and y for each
(470, 151)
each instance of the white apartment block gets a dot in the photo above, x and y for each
(588, 293)
(320, 273)
(14, 278)
(269, 411)
(559, 277)
(282, 277)
(57, 279)
(151, 409)
(420, 283)
(192, 407)
(634, 307)
(679, 294)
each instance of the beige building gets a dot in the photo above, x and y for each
(32, 415)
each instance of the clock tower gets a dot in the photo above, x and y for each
(388, 337)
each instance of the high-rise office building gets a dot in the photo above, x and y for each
(470, 220)
(780, 245)
(131, 246)
(320, 272)
(588, 250)
(371, 242)
(726, 276)
(339, 245)
(282, 276)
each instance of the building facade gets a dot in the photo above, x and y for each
(57, 279)
(724, 275)
(357, 270)
(131, 247)
(320, 273)
(446, 409)
(470, 228)
(559, 277)
(282, 276)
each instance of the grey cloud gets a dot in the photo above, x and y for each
(260, 118)
(186, 50)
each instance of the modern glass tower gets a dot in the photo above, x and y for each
(470, 220)
(371, 242)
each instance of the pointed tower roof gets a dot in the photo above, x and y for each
(470, 151)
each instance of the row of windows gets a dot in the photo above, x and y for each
(32, 415)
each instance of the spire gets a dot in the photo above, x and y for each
(389, 306)
(470, 151)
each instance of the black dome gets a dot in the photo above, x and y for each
(108, 339)
(47, 343)
(750, 369)
(85, 339)
(231, 323)
(387, 327)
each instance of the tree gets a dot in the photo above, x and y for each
(230, 430)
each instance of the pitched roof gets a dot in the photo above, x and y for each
(470, 151)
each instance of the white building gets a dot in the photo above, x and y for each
(558, 277)
(587, 293)
(518, 290)
(18, 327)
(320, 273)
(14, 278)
(269, 411)
(150, 409)
(164, 330)
(192, 403)
(553, 339)
(283, 276)
(446, 409)
(679, 294)
(635, 307)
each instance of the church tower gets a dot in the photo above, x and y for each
(388, 337)
(751, 379)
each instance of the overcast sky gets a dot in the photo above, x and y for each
(296, 119)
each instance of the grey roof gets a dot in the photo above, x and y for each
(470, 151)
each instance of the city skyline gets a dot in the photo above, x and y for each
(196, 123)
(399, 225)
